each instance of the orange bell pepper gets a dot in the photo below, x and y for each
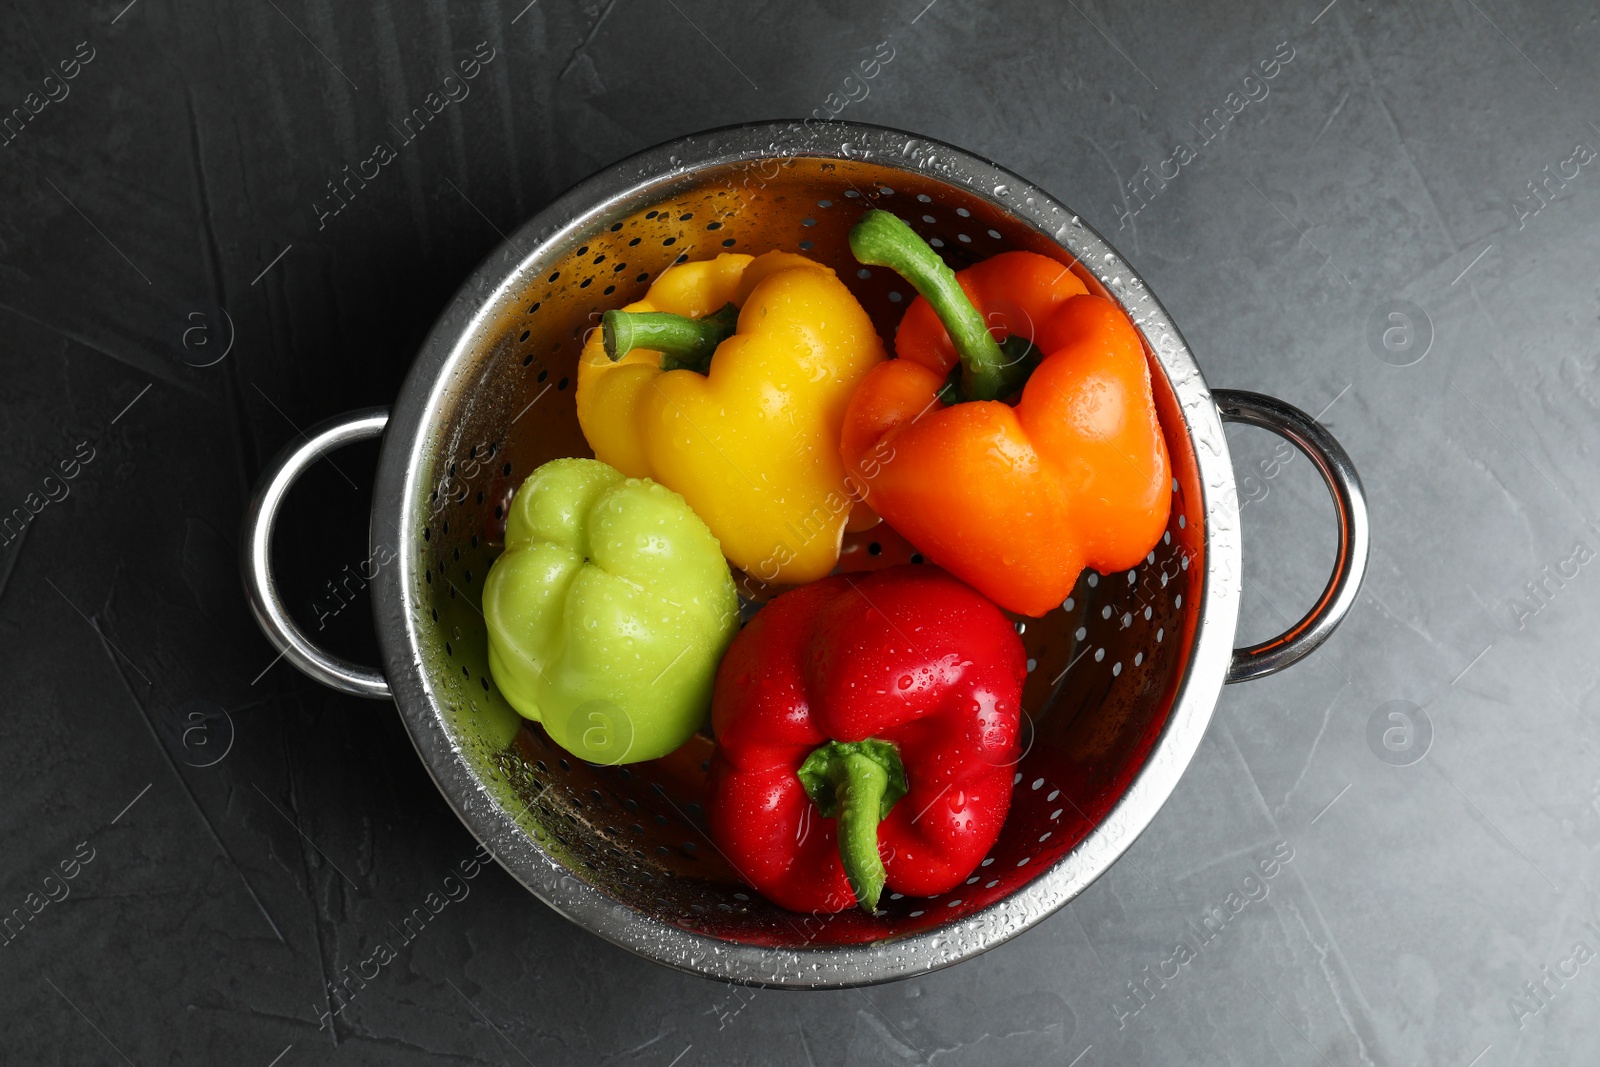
(1014, 494)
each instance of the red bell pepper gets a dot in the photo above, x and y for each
(866, 728)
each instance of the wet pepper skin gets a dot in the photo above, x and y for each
(907, 655)
(607, 612)
(752, 444)
(1017, 498)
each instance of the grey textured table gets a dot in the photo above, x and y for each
(1358, 235)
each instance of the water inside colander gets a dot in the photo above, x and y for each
(1103, 668)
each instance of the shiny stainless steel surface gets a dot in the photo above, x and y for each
(262, 588)
(1350, 513)
(1125, 677)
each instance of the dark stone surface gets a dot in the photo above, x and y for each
(1385, 164)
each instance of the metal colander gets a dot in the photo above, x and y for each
(1122, 676)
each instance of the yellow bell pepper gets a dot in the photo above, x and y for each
(743, 423)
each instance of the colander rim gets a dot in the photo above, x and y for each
(400, 492)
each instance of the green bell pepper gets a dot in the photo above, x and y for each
(608, 612)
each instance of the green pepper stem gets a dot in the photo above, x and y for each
(857, 783)
(881, 239)
(859, 795)
(684, 343)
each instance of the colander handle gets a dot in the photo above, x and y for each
(260, 583)
(1350, 509)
